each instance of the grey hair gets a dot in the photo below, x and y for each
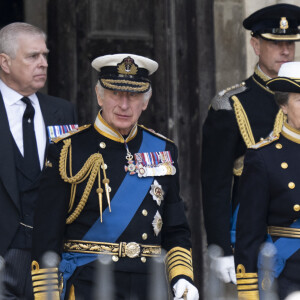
(9, 36)
(281, 98)
(147, 95)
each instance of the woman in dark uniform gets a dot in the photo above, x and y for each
(269, 192)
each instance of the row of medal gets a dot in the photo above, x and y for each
(159, 170)
(154, 164)
(55, 131)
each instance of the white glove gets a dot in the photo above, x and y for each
(224, 268)
(182, 286)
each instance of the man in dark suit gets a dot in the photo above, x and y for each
(24, 116)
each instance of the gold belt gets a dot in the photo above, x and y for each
(121, 249)
(284, 231)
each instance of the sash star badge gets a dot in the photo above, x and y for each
(157, 223)
(157, 192)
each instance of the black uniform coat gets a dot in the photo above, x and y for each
(55, 111)
(50, 221)
(269, 192)
(223, 144)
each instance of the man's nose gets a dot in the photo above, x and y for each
(124, 101)
(285, 48)
(43, 62)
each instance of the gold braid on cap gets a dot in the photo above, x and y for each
(243, 122)
(111, 83)
(279, 121)
(90, 170)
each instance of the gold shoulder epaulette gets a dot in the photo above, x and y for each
(155, 133)
(221, 100)
(70, 133)
(268, 140)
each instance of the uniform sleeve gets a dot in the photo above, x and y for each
(219, 148)
(251, 223)
(49, 224)
(176, 236)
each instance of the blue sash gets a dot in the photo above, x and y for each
(285, 247)
(124, 205)
(233, 226)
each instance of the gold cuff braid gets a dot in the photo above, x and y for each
(247, 284)
(179, 262)
(248, 295)
(45, 282)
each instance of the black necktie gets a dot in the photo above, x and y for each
(31, 157)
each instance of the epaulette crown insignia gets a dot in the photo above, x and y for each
(221, 100)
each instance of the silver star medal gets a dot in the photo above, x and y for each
(157, 223)
(157, 192)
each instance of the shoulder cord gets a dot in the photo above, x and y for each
(279, 121)
(243, 122)
(90, 168)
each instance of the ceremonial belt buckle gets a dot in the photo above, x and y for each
(131, 249)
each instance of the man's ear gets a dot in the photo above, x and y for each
(146, 102)
(99, 98)
(255, 43)
(5, 62)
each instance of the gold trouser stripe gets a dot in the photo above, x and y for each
(284, 231)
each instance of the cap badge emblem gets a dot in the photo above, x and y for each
(284, 24)
(127, 67)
